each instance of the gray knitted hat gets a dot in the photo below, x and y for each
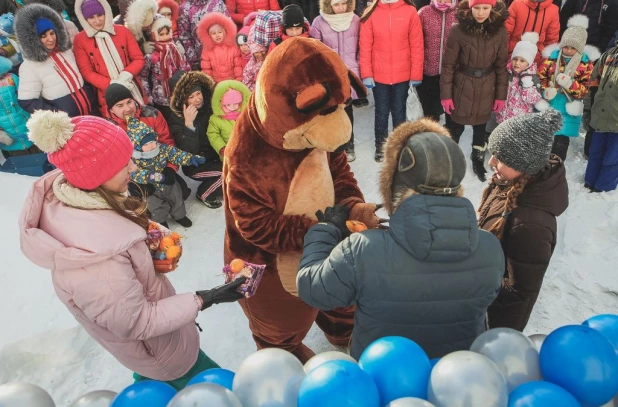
(576, 34)
(524, 142)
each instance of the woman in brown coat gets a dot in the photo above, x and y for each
(474, 78)
(525, 195)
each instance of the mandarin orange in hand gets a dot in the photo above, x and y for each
(237, 265)
(355, 226)
(173, 252)
(166, 242)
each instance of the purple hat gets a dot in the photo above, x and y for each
(91, 8)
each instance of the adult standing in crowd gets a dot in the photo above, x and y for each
(602, 16)
(191, 104)
(49, 78)
(106, 52)
(191, 13)
(239, 9)
(526, 194)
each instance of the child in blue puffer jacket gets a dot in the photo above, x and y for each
(13, 132)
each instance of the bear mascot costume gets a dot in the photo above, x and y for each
(284, 162)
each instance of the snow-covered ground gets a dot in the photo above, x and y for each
(41, 343)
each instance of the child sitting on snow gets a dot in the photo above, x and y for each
(156, 179)
(228, 100)
(221, 57)
(524, 92)
(565, 76)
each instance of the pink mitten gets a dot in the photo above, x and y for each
(448, 105)
(498, 105)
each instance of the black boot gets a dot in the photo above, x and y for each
(478, 162)
(184, 222)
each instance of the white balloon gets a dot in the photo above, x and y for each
(537, 340)
(18, 394)
(409, 402)
(205, 395)
(269, 377)
(464, 379)
(98, 398)
(513, 353)
(324, 357)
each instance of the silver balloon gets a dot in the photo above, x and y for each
(513, 353)
(537, 340)
(205, 395)
(269, 377)
(409, 402)
(464, 379)
(18, 394)
(324, 357)
(98, 398)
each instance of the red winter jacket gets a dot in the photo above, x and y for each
(221, 61)
(92, 67)
(527, 16)
(240, 8)
(391, 44)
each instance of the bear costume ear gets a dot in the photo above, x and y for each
(357, 85)
(312, 98)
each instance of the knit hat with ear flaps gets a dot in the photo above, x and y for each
(140, 133)
(526, 48)
(576, 34)
(88, 150)
(524, 142)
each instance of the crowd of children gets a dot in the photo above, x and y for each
(470, 59)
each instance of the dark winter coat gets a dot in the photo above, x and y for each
(604, 89)
(529, 240)
(477, 46)
(193, 141)
(602, 19)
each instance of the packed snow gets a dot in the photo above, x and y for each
(41, 343)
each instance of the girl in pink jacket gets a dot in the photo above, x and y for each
(221, 57)
(107, 279)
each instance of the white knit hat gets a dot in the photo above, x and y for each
(526, 48)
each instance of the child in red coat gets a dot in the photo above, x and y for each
(221, 57)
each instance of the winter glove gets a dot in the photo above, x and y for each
(366, 213)
(414, 84)
(196, 160)
(498, 105)
(125, 79)
(223, 293)
(369, 83)
(148, 47)
(564, 80)
(527, 82)
(5, 138)
(155, 177)
(169, 176)
(337, 215)
(448, 105)
(550, 93)
(222, 151)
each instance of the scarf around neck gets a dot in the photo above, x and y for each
(338, 22)
(169, 63)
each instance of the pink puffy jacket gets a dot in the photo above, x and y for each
(221, 61)
(103, 273)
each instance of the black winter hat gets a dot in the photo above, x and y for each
(115, 93)
(292, 16)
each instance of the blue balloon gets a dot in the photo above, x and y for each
(607, 324)
(399, 367)
(338, 383)
(222, 377)
(582, 361)
(149, 393)
(541, 394)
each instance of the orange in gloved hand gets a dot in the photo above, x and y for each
(237, 265)
(355, 226)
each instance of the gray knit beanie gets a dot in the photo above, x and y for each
(524, 142)
(576, 34)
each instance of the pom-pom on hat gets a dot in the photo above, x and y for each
(576, 34)
(88, 150)
(526, 48)
(524, 142)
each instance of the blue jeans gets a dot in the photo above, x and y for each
(602, 169)
(390, 99)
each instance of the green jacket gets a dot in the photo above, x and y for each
(220, 129)
(604, 93)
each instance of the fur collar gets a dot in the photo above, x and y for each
(469, 26)
(183, 86)
(211, 19)
(109, 18)
(394, 145)
(75, 197)
(25, 29)
(591, 53)
(326, 8)
(136, 14)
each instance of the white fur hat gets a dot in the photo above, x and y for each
(158, 24)
(526, 48)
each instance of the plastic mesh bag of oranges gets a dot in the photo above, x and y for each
(165, 247)
(238, 268)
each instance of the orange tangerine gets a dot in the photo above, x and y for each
(173, 252)
(355, 226)
(236, 265)
(166, 242)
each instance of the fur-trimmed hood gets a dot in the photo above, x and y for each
(211, 19)
(25, 29)
(224, 86)
(469, 26)
(326, 8)
(172, 5)
(57, 5)
(109, 18)
(137, 13)
(394, 144)
(591, 53)
(181, 85)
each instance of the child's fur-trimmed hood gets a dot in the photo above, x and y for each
(219, 19)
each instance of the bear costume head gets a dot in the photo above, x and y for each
(300, 96)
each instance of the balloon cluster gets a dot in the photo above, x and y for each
(574, 366)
